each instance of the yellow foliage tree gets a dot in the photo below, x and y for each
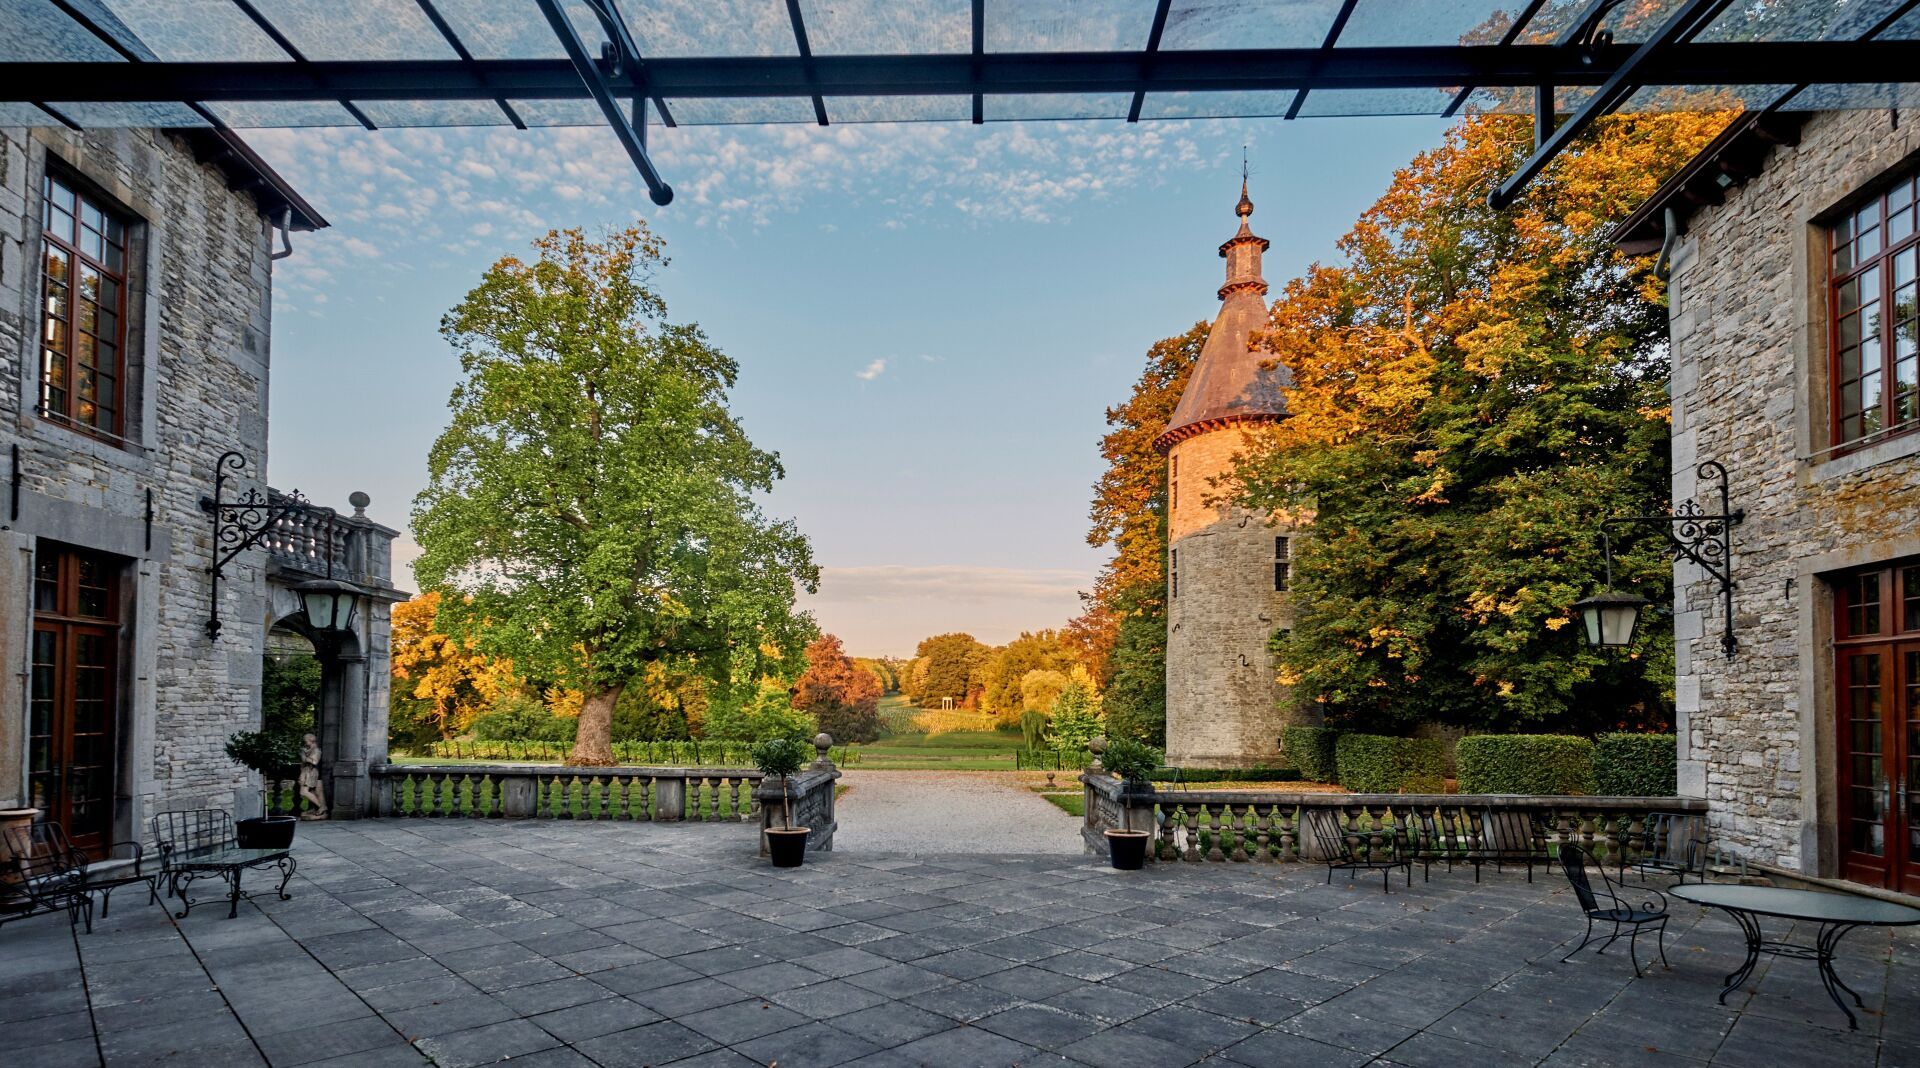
(447, 681)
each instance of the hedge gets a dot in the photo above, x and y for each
(1312, 751)
(1375, 764)
(1636, 765)
(1549, 764)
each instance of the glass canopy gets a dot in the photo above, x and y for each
(631, 64)
(921, 58)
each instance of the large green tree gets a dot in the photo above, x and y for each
(953, 663)
(592, 500)
(1474, 391)
(1124, 630)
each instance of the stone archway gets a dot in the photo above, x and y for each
(292, 680)
(340, 711)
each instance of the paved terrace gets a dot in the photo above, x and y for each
(563, 944)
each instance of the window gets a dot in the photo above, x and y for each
(1282, 564)
(1173, 573)
(1876, 329)
(83, 310)
(1173, 484)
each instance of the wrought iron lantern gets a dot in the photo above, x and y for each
(1610, 617)
(250, 518)
(328, 604)
(1692, 534)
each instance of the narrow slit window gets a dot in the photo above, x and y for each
(1282, 564)
(1875, 312)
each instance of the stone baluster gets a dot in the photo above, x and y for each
(435, 782)
(1262, 830)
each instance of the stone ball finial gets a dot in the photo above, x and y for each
(359, 501)
(823, 741)
(1097, 744)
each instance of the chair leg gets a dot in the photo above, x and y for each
(1584, 939)
(106, 901)
(1633, 942)
(1615, 937)
(1661, 931)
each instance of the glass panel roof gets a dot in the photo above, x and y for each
(1837, 97)
(1798, 20)
(362, 29)
(1703, 97)
(567, 112)
(434, 112)
(507, 29)
(257, 115)
(1057, 106)
(1197, 24)
(1215, 105)
(195, 30)
(709, 28)
(1380, 24)
(1336, 102)
(888, 27)
(897, 108)
(734, 112)
(1067, 25)
(118, 115)
(37, 31)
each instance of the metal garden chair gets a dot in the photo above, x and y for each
(1507, 836)
(47, 881)
(50, 839)
(1671, 844)
(1606, 905)
(1354, 850)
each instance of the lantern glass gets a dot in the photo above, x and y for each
(1610, 618)
(328, 607)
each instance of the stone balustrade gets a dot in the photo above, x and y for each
(544, 791)
(810, 795)
(1223, 825)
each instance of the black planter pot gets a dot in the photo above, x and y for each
(1127, 849)
(788, 846)
(265, 832)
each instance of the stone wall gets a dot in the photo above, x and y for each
(1757, 733)
(1223, 703)
(199, 327)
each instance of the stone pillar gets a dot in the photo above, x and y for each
(343, 738)
(669, 799)
(16, 615)
(516, 796)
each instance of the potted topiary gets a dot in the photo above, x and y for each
(1133, 762)
(271, 756)
(780, 758)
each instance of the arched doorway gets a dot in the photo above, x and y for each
(291, 683)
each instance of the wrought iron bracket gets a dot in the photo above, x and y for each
(244, 521)
(1699, 537)
(594, 76)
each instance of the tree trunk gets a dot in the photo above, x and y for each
(593, 744)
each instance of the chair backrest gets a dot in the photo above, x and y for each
(192, 830)
(1511, 831)
(1674, 839)
(45, 862)
(1573, 861)
(1327, 832)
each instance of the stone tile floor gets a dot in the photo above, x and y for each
(565, 944)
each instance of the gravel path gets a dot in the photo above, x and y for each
(949, 812)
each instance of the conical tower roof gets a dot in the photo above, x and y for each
(1229, 384)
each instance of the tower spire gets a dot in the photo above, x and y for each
(1242, 250)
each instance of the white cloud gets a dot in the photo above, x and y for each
(872, 371)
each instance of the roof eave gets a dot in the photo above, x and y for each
(247, 173)
(1737, 155)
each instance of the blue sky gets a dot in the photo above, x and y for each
(930, 319)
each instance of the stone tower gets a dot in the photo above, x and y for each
(1227, 568)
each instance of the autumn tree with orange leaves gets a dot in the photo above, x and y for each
(440, 684)
(1474, 391)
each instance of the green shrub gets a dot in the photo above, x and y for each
(1312, 751)
(1377, 764)
(1033, 728)
(1550, 764)
(266, 753)
(1635, 765)
(1131, 760)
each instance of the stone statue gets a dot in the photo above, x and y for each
(310, 789)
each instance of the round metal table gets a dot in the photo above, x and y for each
(1837, 914)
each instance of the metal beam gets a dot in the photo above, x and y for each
(1153, 45)
(1627, 77)
(587, 69)
(979, 50)
(806, 55)
(1524, 66)
(1333, 34)
(608, 12)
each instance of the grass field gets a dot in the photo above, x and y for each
(1071, 804)
(933, 740)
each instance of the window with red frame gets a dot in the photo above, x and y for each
(83, 310)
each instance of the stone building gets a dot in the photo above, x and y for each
(1795, 261)
(1227, 568)
(135, 315)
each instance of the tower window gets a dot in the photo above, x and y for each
(1173, 483)
(1173, 573)
(1282, 564)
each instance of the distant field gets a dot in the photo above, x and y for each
(918, 739)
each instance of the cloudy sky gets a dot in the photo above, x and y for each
(930, 319)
